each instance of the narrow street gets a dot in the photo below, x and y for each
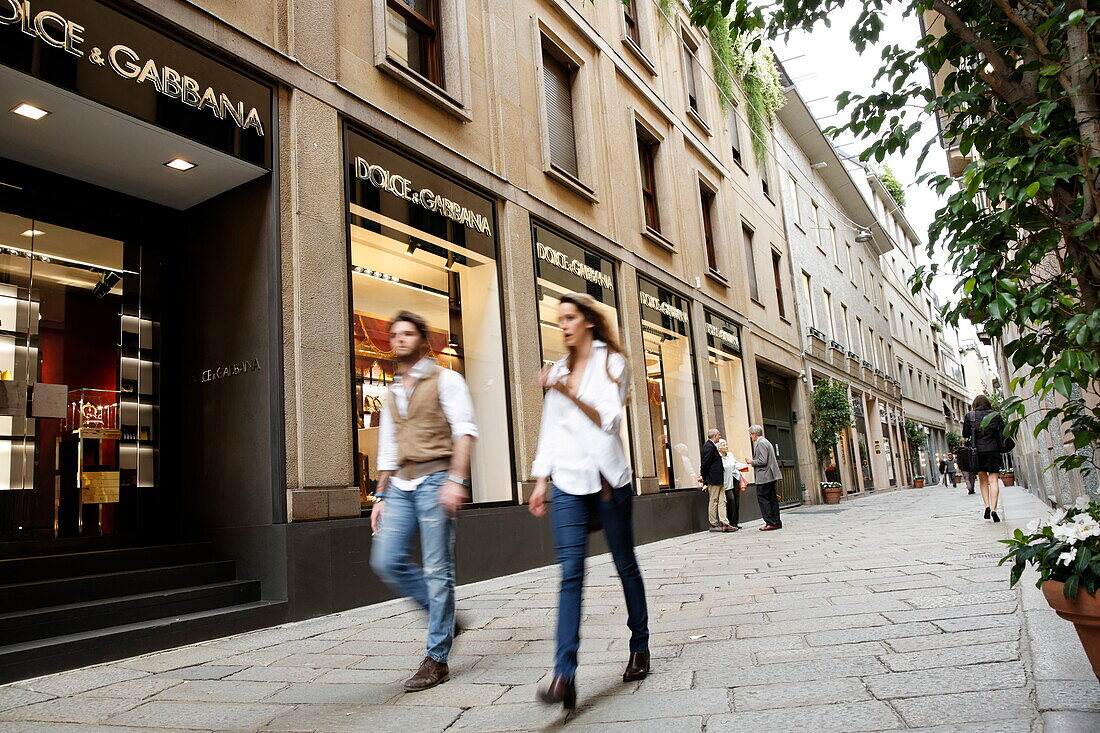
(885, 612)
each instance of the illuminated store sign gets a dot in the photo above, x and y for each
(55, 30)
(575, 266)
(723, 335)
(662, 307)
(403, 188)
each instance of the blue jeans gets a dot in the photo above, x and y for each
(569, 517)
(433, 587)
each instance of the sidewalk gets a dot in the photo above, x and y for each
(882, 613)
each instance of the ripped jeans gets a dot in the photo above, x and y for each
(433, 587)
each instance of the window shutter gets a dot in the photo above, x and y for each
(559, 115)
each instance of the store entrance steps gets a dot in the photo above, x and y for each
(63, 611)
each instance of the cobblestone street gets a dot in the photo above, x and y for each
(885, 612)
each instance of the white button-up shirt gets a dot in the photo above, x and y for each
(573, 451)
(454, 398)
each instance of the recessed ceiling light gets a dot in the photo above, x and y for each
(180, 164)
(30, 111)
(33, 233)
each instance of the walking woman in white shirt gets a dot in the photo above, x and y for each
(581, 471)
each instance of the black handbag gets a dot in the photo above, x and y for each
(967, 458)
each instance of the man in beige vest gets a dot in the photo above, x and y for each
(425, 435)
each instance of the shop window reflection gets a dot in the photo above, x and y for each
(727, 385)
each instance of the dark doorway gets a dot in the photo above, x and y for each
(777, 419)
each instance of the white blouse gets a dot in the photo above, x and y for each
(573, 451)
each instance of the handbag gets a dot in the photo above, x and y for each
(967, 458)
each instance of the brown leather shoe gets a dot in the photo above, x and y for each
(559, 691)
(637, 667)
(768, 528)
(430, 674)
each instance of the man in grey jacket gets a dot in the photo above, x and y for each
(767, 476)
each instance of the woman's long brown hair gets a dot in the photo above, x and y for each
(601, 329)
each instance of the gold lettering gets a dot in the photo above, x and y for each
(149, 71)
(40, 28)
(253, 120)
(190, 95)
(236, 113)
(16, 13)
(73, 38)
(209, 99)
(127, 69)
(170, 82)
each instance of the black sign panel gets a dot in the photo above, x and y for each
(108, 56)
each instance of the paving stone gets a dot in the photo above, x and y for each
(964, 599)
(995, 726)
(138, 689)
(44, 727)
(201, 672)
(361, 676)
(277, 674)
(662, 725)
(81, 680)
(764, 697)
(221, 690)
(618, 708)
(455, 694)
(317, 693)
(954, 639)
(1071, 722)
(873, 633)
(508, 717)
(224, 716)
(70, 710)
(804, 626)
(849, 716)
(995, 676)
(966, 707)
(977, 622)
(789, 672)
(176, 658)
(1068, 695)
(1060, 655)
(862, 649)
(951, 612)
(952, 657)
(13, 697)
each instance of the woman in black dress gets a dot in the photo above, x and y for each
(987, 441)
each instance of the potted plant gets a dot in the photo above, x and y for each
(832, 491)
(1065, 550)
(832, 414)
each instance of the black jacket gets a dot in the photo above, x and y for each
(711, 467)
(987, 439)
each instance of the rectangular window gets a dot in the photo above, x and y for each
(727, 382)
(750, 262)
(847, 326)
(647, 155)
(403, 256)
(690, 81)
(815, 223)
(830, 315)
(413, 38)
(863, 278)
(735, 135)
(777, 274)
(833, 242)
(808, 296)
(790, 196)
(766, 176)
(670, 381)
(848, 255)
(859, 337)
(706, 198)
(630, 16)
(558, 87)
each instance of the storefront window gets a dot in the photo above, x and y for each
(863, 461)
(670, 382)
(887, 449)
(423, 243)
(727, 384)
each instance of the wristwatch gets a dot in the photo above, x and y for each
(463, 482)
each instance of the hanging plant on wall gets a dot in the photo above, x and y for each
(727, 61)
(763, 93)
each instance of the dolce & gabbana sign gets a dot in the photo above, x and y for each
(723, 335)
(403, 188)
(97, 39)
(662, 307)
(575, 266)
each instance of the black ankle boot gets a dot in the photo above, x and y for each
(560, 691)
(637, 667)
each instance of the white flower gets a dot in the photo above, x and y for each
(1086, 526)
(1082, 503)
(1067, 557)
(1056, 517)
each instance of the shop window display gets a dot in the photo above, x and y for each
(859, 422)
(727, 384)
(670, 382)
(424, 243)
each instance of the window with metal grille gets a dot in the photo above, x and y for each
(647, 155)
(706, 197)
(558, 79)
(630, 15)
(413, 37)
(776, 273)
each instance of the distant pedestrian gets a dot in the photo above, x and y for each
(988, 441)
(942, 469)
(733, 481)
(581, 471)
(767, 476)
(969, 477)
(951, 469)
(426, 432)
(712, 476)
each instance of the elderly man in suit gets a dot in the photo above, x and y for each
(767, 476)
(712, 477)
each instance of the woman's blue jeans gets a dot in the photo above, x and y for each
(569, 515)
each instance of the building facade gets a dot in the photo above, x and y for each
(836, 244)
(214, 208)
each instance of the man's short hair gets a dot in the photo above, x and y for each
(712, 432)
(756, 430)
(417, 321)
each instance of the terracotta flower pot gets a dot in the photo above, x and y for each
(832, 496)
(1009, 478)
(918, 483)
(1084, 612)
